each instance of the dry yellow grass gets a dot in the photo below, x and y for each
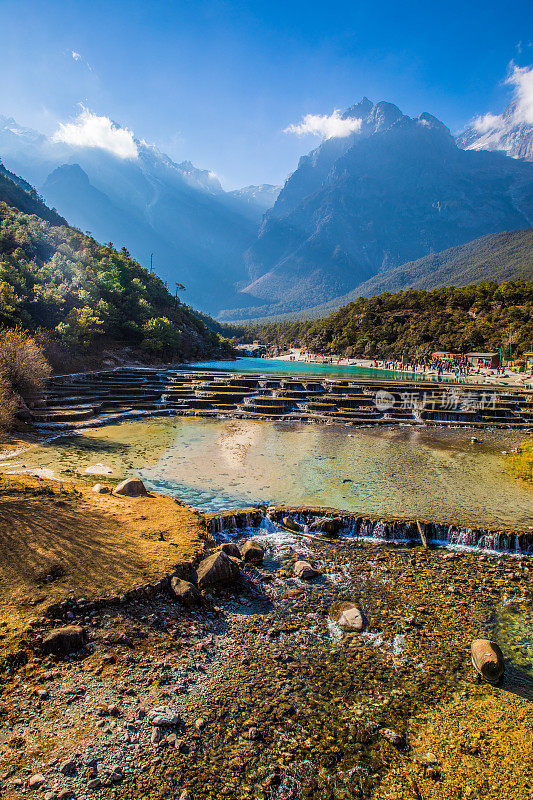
(56, 539)
(521, 464)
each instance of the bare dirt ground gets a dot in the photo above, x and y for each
(60, 538)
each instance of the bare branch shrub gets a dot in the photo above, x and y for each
(22, 363)
(8, 405)
(23, 372)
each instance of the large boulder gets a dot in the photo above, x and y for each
(217, 569)
(290, 524)
(131, 487)
(62, 641)
(186, 571)
(185, 592)
(349, 617)
(253, 552)
(329, 526)
(487, 659)
(305, 570)
(230, 549)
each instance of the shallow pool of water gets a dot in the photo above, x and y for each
(219, 464)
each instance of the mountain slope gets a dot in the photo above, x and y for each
(507, 133)
(87, 296)
(146, 202)
(498, 256)
(21, 195)
(259, 198)
(392, 193)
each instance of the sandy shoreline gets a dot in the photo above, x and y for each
(485, 376)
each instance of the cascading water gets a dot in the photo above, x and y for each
(381, 530)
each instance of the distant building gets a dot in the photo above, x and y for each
(484, 360)
(442, 355)
(528, 358)
(254, 350)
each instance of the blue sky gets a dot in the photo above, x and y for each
(218, 82)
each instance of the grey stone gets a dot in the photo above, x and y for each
(230, 549)
(65, 640)
(36, 781)
(68, 767)
(131, 487)
(185, 592)
(349, 617)
(163, 716)
(217, 569)
(253, 552)
(305, 571)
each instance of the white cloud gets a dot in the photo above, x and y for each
(522, 79)
(329, 127)
(79, 59)
(90, 130)
(488, 122)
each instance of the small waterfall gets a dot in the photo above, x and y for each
(395, 531)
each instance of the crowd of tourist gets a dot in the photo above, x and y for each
(425, 365)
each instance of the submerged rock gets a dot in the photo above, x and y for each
(289, 523)
(305, 570)
(65, 640)
(487, 659)
(253, 552)
(394, 738)
(349, 617)
(131, 487)
(329, 526)
(99, 469)
(185, 592)
(217, 569)
(230, 549)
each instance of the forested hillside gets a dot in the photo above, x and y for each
(498, 257)
(83, 294)
(477, 317)
(18, 193)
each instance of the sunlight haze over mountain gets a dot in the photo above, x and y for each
(243, 89)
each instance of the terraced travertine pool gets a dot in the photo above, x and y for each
(219, 464)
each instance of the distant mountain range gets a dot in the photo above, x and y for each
(149, 204)
(398, 191)
(497, 256)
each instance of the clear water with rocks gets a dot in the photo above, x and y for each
(220, 464)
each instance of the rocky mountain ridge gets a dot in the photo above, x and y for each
(394, 191)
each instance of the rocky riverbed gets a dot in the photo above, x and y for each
(257, 693)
